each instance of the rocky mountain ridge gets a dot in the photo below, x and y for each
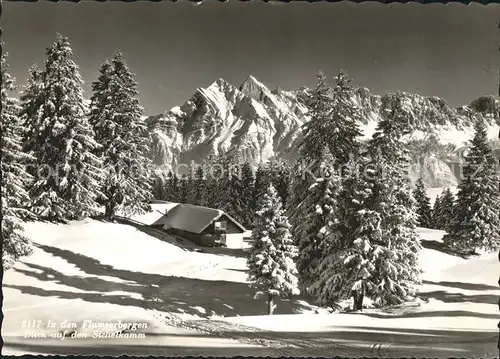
(260, 123)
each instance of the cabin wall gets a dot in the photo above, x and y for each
(203, 240)
(210, 229)
(231, 227)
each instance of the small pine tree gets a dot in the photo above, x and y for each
(395, 257)
(158, 184)
(200, 191)
(14, 178)
(272, 271)
(278, 172)
(233, 198)
(172, 187)
(423, 204)
(311, 148)
(305, 222)
(446, 210)
(477, 212)
(262, 182)
(282, 183)
(183, 189)
(247, 192)
(115, 115)
(314, 212)
(213, 188)
(436, 214)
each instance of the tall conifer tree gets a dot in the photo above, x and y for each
(116, 117)
(59, 136)
(424, 210)
(14, 177)
(477, 212)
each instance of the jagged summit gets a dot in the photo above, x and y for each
(221, 83)
(254, 88)
(252, 82)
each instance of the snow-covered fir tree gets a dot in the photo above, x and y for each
(376, 254)
(183, 189)
(424, 210)
(312, 146)
(172, 187)
(334, 125)
(159, 186)
(446, 210)
(61, 139)
(342, 131)
(395, 245)
(477, 211)
(305, 221)
(115, 115)
(282, 183)
(15, 179)
(271, 267)
(217, 168)
(325, 193)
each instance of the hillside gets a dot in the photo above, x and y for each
(198, 303)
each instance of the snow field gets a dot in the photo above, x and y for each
(91, 270)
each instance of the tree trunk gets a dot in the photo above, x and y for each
(270, 304)
(358, 297)
(358, 301)
(109, 212)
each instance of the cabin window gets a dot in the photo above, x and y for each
(220, 225)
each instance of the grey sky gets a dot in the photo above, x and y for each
(173, 48)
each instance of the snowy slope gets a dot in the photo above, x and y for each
(459, 315)
(199, 303)
(105, 273)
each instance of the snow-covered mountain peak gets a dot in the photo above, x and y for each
(221, 84)
(255, 89)
(260, 123)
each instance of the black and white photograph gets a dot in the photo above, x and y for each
(262, 179)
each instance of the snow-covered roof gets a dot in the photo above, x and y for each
(194, 219)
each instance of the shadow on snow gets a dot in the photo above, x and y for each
(170, 293)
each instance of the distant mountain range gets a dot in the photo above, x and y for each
(260, 123)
